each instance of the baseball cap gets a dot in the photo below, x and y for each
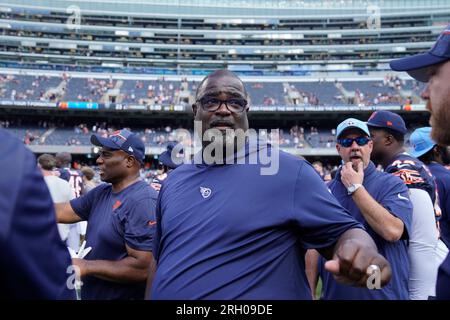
(417, 65)
(351, 123)
(387, 119)
(166, 157)
(123, 140)
(421, 141)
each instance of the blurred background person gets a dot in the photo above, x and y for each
(88, 178)
(166, 164)
(60, 189)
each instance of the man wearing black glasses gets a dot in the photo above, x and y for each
(226, 231)
(388, 133)
(377, 200)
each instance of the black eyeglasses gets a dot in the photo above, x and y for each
(235, 105)
(347, 142)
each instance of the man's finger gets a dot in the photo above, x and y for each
(360, 166)
(332, 266)
(346, 253)
(358, 270)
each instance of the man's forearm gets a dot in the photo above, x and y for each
(356, 234)
(65, 213)
(381, 220)
(311, 269)
(122, 271)
(150, 276)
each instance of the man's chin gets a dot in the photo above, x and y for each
(104, 178)
(355, 163)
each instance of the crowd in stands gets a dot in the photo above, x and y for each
(52, 133)
(389, 91)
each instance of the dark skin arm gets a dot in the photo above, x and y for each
(151, 275)
(350, 257)
(311, 269)
(65, 213)
(133, 268)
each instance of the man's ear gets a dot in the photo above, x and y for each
(370, 144)
(130, 161)
(194, 109)
(388, 139)
(436, 151)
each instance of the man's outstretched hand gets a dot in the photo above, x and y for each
(356, 258)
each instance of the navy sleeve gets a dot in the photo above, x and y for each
(83, 205)
(157, 236)
(316, 211)
(395, 199)
(408, 171)
(444, 194)
(139, 223)
(443, 280)
(34, 260)
(64, 174)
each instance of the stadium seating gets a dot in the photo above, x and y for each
(160, 91)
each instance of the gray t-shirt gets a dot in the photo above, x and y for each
(60, 191)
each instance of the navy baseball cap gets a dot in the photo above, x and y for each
(387, 119)
(351, 123)
(418, 65)
(166, 157)
(421, 141)
(123, 140)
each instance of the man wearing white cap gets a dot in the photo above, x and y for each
(377, 200)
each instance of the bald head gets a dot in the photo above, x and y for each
(222, 73)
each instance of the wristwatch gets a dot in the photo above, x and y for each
(353, 187)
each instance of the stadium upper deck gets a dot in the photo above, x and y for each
(184, 37)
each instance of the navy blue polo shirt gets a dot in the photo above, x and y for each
(115, 220)
(392, 194)
(33, 261)
(228, 232)
(442, 177)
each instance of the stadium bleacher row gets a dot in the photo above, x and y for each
(181, 42)
(389, 91)
(295, 137)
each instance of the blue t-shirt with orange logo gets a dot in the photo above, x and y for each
(115, 220)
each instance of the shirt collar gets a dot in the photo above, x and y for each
(249, 148)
